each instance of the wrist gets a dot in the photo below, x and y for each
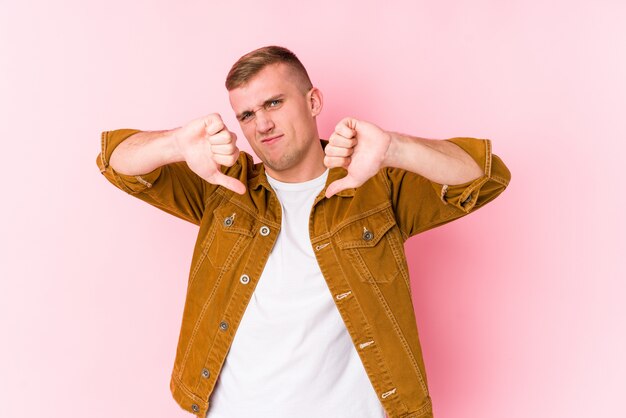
(394, 150)
(176, 151)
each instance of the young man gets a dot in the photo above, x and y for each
(299, 299)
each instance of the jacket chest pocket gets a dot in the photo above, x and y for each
(373, 246)
(231, 233)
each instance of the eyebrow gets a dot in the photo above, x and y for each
(265, 103)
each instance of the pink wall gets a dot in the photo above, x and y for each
(520, 306)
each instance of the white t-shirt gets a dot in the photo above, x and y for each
(292, 355)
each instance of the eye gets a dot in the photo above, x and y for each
(274, 103)
(245, 116)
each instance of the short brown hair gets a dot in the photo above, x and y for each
(253, 62)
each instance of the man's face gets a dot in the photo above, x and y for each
(277, 118)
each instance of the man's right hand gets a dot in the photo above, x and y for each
(206, 144)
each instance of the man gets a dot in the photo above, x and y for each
(299, 301)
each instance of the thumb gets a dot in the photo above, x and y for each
(230, 183)
(336, 186)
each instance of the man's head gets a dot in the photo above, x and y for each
(276, 106)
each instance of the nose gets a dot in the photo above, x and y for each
(264, 123)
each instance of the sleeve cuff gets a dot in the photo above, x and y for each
(129, 183)
(465, 196)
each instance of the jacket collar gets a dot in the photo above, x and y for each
(260, 180)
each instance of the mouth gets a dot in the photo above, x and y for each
(271, 140)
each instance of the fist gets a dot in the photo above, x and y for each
(206, 144)
(358, 146)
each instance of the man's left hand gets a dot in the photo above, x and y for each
(358, 146)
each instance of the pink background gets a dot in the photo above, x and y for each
(520, 306)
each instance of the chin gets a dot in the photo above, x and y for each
(280, 165)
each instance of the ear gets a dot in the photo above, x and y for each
(316, 101)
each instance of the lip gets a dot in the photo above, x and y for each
(271, 140)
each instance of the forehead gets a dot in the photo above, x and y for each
(271, 81)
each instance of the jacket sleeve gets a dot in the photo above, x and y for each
(421, 204)
(173, 188)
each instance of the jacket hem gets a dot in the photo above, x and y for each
(425, 411)
(186, 399)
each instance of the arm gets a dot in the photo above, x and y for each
(431, 182)
(204, 144)
(144, 152)
(439, 161)
(174, 169)
(363, 149)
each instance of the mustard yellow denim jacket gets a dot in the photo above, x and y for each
(357, 237)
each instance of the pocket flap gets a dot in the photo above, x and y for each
(367, 231)
(232, 219)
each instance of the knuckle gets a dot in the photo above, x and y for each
(215, 120)
(218, 137)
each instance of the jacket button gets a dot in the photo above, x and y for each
(265, 231)
(229, 221)
(367, 234)
(223, 326)
(245, 279)
(205, 373)
(195, 408)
